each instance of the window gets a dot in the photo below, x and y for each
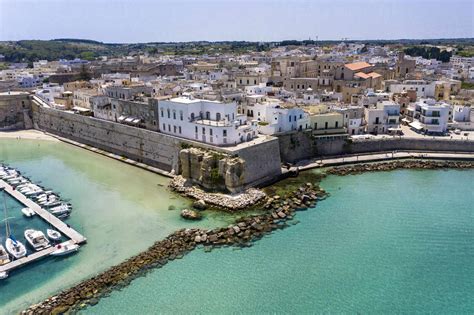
(174, 129)
(326, 125)
(315, 126)
(192, 116)
(179, 129)
(254, 81)
(180, 115)
(224, 133)
(289, 117)
(196, 129)
(164, 127)
(248, 81)
(169, 114)
(162, 114)
(208, 115)
(203, 130)
(210, 131)
(174, 114)
(218, 116)
(337, 124)
(169, 128)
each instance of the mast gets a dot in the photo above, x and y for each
(7, 226)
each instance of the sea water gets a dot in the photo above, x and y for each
(120, 209)
(399, 242)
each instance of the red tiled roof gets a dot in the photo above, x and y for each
(362, 75)
(357, 65)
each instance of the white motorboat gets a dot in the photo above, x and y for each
(28, 212)
(4, 257)
(53, 234)
(3, 275)
(36, 239)
(65, 249)
(15, 248)
(64, 208)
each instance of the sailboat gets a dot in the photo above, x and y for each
(14, 247)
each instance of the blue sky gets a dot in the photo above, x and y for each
(258, 20)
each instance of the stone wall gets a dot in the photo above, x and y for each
(212, 170)
(299, 146)
(262, 160)
(15, 110)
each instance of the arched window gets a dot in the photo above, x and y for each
(168, 111)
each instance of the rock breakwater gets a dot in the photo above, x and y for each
(392, 165)
(278, 211)
(240, 201)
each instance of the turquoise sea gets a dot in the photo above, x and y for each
(391, 242)
(398, 242)
(121, 210)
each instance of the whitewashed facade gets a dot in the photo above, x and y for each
(206, 121)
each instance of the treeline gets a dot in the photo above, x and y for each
(429, 53)
(34, 50)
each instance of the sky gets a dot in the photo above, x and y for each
(132, 21)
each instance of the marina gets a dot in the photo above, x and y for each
(44, 204)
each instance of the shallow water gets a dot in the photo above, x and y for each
(391, 242)
(119, 208)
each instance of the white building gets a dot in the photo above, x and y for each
(461, 62)
(422, 88)
(461, 113)
(205, 121)
(430, 116)
(272, 118)
(383, 118)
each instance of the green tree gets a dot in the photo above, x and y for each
(84, 74)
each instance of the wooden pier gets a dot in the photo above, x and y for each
(74, 236)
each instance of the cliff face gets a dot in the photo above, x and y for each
(212, 170)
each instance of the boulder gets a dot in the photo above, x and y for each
(200, 205)
(190, 214)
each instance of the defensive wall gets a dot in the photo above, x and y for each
(299, 146)
(262, 160)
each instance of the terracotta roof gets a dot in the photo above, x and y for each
(362, 75)
(357, 65)
(375, 75)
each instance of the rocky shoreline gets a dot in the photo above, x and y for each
(278, 211)
(392, 165)
(241, 201)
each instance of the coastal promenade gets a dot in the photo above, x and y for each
(74, 236)
(377, 157)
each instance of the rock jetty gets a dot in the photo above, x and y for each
(231, 202)
(278, 210)
(392, 165)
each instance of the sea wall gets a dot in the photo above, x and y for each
(153, 148)
(299, 146)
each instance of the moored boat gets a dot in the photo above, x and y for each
(4, 257)
(15, 248)
(36, 239)
(28, 212)
(3, 275)
(65, 249)
(53, 234)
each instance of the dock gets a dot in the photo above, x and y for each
(74, 236)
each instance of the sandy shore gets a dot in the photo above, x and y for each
(26, 134)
